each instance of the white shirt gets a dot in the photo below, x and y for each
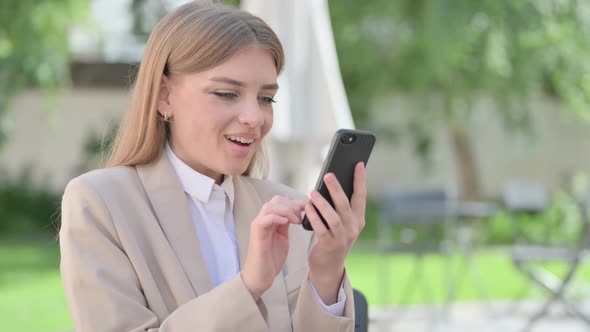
(212, 212)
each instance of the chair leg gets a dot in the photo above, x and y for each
(452, 284)
(479, 284)
(573, 309)
(555, 296)
(535, 277)
(539, 314)
(384, 278)
(413, 281)
(470, 270)
(557, 293)
(427, 293)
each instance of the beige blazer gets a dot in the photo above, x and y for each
(131, 260)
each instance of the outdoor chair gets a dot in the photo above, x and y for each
(361, 312)
(532, 250)
(471, 216)
(417, 222)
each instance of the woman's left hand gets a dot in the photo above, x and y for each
(326, 261)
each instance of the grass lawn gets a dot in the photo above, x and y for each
(33, 299)
(493, 267)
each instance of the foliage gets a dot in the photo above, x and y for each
(26, 206)
(561, 223)
(446, 55)
(508, 50)
(34, 48)
(147, 13)
(95, 149)
(29, 207)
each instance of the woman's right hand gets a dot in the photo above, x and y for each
(269, 243)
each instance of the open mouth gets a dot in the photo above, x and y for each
(240, 140)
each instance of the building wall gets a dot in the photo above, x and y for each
(557, 148)
(51, 142)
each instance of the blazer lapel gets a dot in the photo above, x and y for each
(172, 211)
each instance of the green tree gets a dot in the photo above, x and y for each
(34, 48)
(445, 54)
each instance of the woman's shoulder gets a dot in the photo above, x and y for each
(105, 180)
(267, 189)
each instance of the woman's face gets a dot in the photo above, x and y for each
(219, 117)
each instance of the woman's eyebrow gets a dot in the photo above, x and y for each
(272, 86)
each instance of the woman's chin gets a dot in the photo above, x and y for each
(235, 170)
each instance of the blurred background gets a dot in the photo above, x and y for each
(478, 183)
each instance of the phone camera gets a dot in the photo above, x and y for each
(347, 139)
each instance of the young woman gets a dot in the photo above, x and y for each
(175, 234)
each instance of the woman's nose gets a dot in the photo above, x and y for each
(252, 115)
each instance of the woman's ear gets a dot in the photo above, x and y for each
(164, 98)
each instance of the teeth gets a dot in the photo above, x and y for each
(241, 139)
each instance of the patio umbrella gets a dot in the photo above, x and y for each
(312, 102)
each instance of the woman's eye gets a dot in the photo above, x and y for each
(225, 95)
(267, 100)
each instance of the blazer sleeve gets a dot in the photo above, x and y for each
(306, 313)
(104, 293)
(310, 316)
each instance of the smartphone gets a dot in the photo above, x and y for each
(348, 148)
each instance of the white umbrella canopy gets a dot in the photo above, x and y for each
(312, 102)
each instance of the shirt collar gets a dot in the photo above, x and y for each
(196, 184)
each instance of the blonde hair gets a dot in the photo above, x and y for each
(194, 37)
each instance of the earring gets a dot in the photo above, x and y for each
(165, 116)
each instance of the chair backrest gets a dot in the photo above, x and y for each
(528, 198)
(525, 196)
(416, 221)
(361, 312)
(424, 206)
